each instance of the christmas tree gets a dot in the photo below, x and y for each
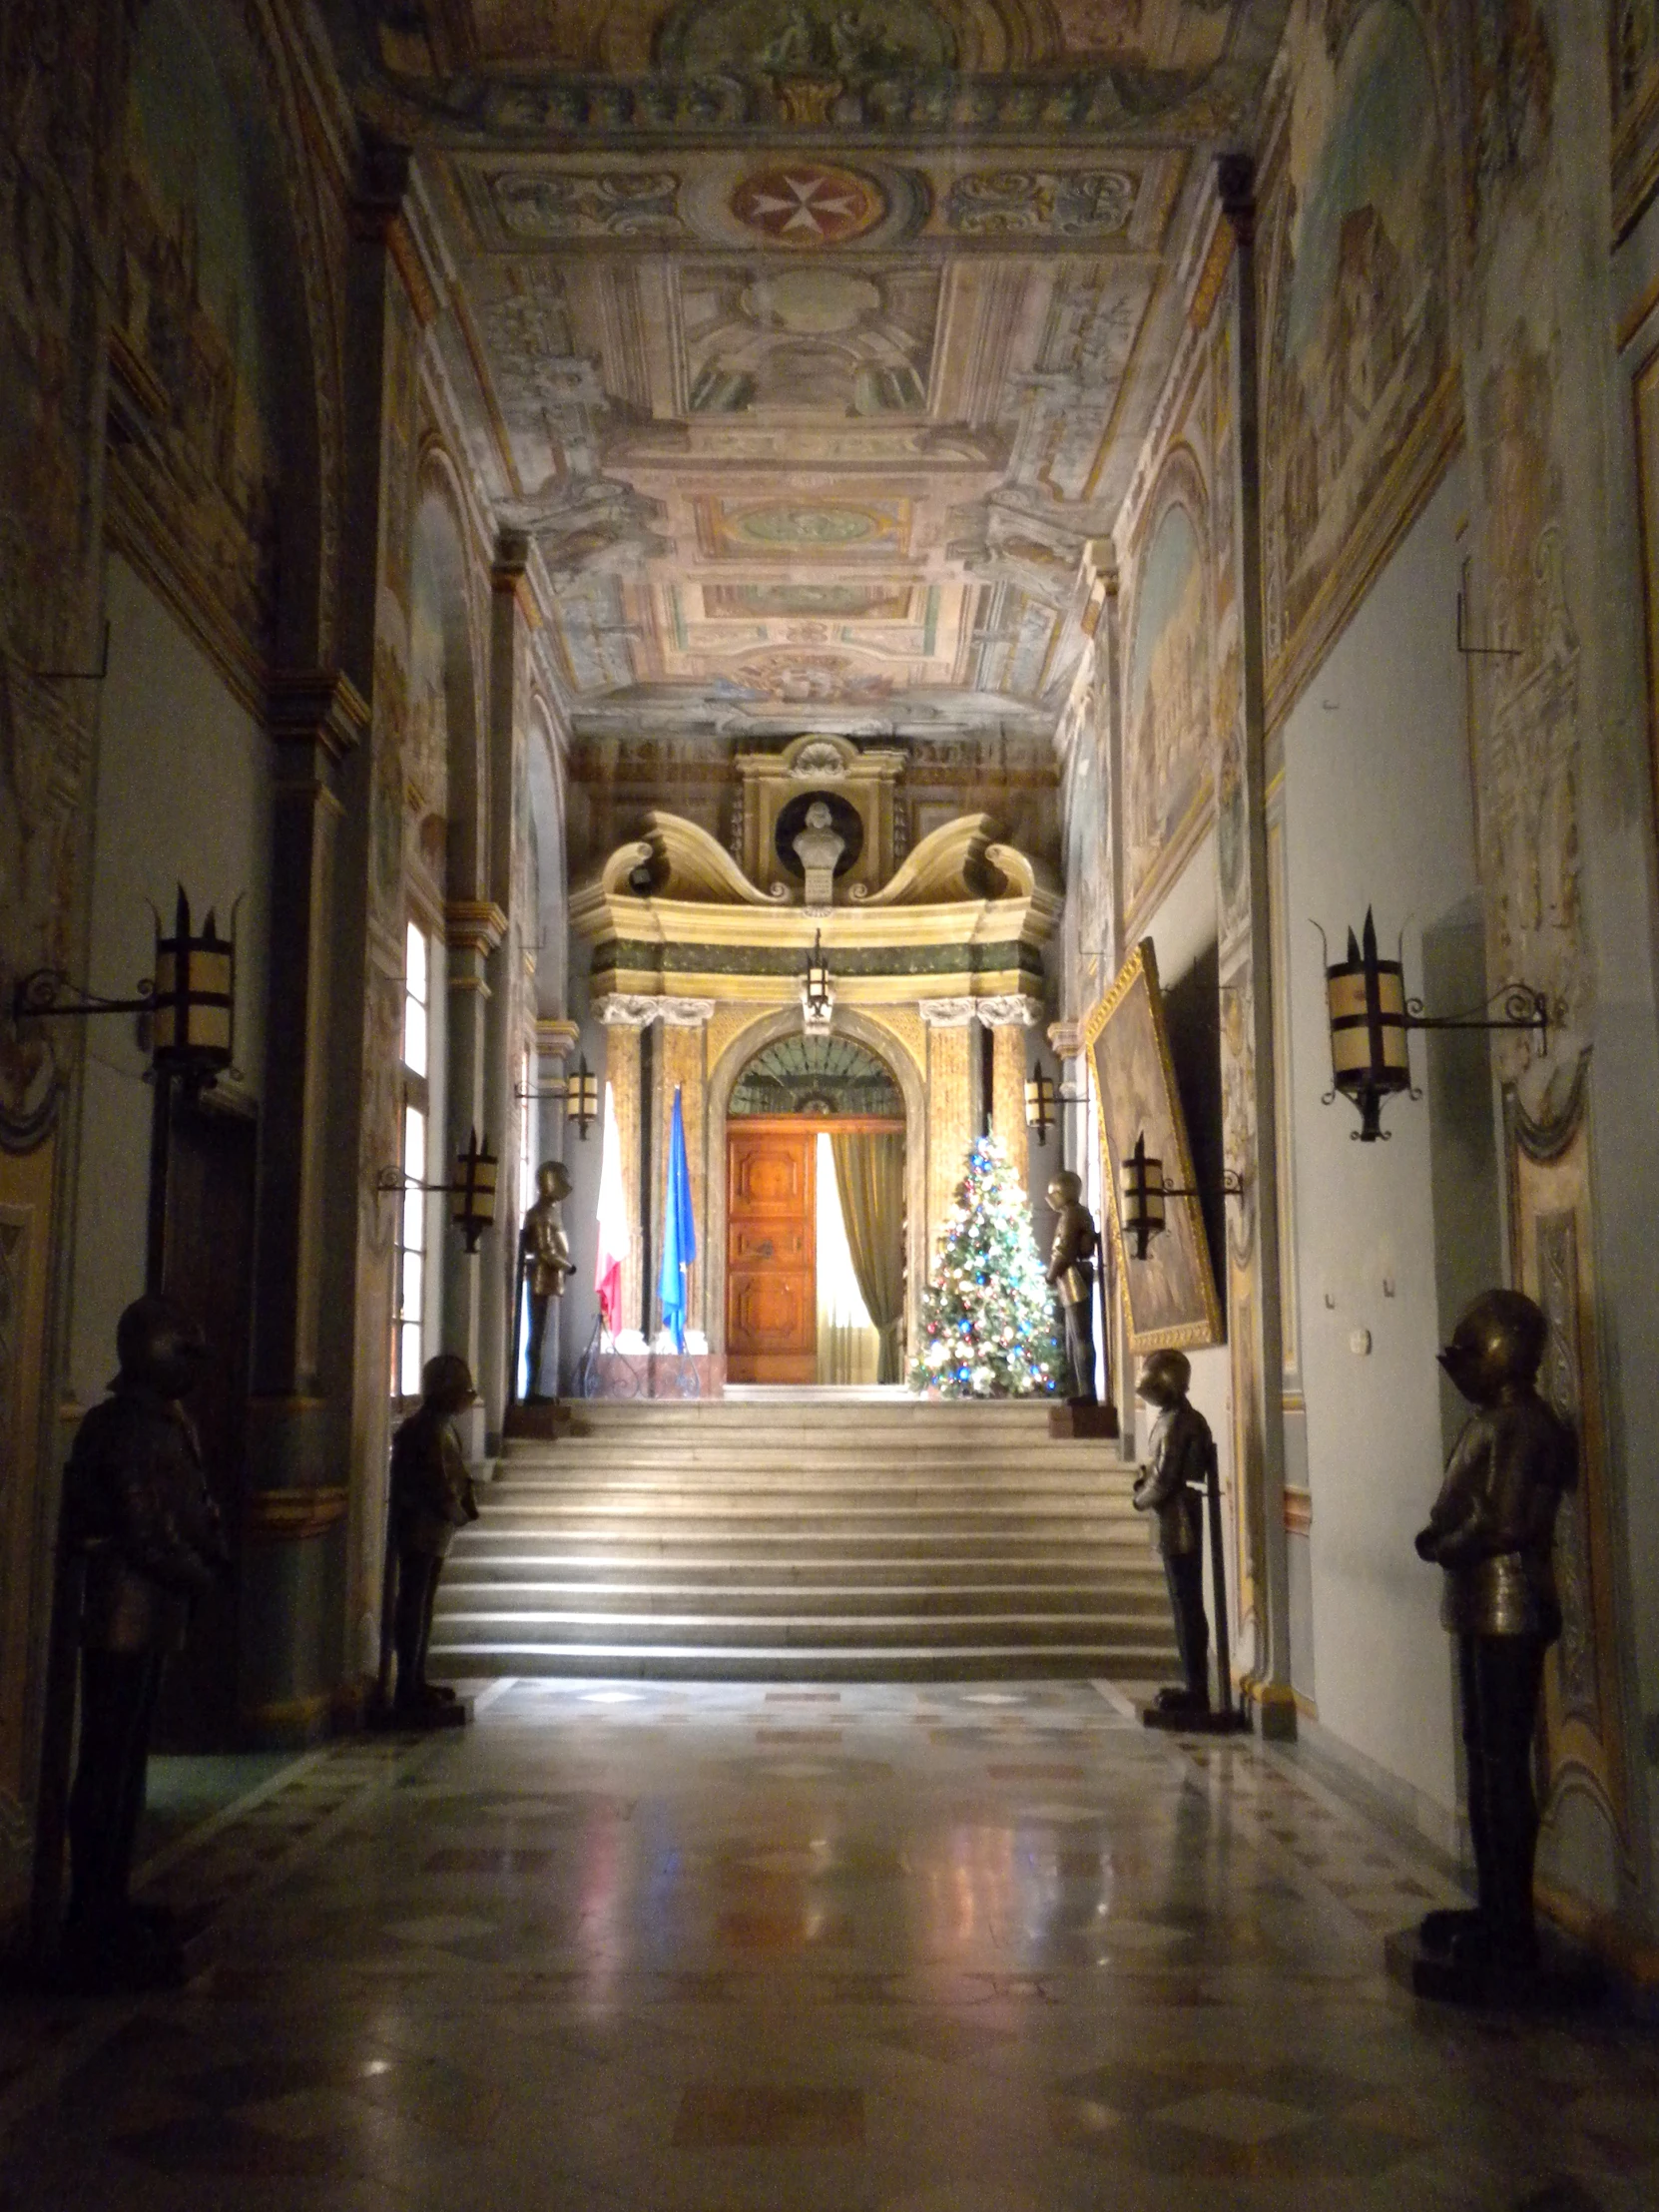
(987, 1317)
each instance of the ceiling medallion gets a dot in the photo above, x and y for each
(808, 203)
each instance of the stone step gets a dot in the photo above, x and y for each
(750, 1539)
(706, 1568)
(480, 1594)
(708, 1661)
(824, 1631)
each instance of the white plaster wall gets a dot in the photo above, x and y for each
(183, 795)
(1377, 810)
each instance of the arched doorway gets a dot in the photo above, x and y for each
(815, 1189)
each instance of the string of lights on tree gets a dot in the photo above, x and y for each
(987, 1317)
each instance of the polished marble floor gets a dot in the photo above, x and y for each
(870, 1950)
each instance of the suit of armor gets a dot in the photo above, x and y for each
(545, 1257)
(139, 1517)
(1171, 1486)
(431, 1496)
(1071, 1272)
(1492, 1529)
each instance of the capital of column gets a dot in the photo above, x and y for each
(318, 707)
(947, 1013)
(509, 574)
(556, 1039)
(473, 925)
(1009, 1010)
(1065, 1039)
(639, 1009)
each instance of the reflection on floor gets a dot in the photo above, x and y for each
(872, 1949)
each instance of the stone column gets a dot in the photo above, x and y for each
(624, 1018)
(473, 929)
(504, 828)
(1255, 1334)
(1009, 1018)
(951, 1037)
(681, 1058)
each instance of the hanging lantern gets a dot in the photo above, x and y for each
(193, 1004)
(1143, 1197)
(582, 1097)
(817, 997)
(1366, 1001)
(1039, 1103)
(472, 1194)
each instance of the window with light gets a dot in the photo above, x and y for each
(410, 1280)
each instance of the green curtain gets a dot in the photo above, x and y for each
(869, 1178)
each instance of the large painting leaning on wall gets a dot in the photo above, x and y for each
(1172, 1292)
(1167, 737)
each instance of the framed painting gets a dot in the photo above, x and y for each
(1171, 1294)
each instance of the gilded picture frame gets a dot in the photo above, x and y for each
(1171, 1295)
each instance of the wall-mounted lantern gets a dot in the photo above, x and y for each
(472, 1194)
(190, 999)
(1371, 1019)
(1144, 1193)
(818, 995)
(1040, 1096)
(580, 1092)
(582, 1098)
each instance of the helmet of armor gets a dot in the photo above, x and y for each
(553, 1179)
(1164, 1378)
(447, 1383)
(1500, 1339)
(1066, 1189)
(159, 1347)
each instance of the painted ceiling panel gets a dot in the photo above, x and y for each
(810, 340)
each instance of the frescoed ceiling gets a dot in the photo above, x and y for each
(810, 340)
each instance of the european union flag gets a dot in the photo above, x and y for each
(679, 1231)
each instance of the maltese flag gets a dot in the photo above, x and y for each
(613, 1219)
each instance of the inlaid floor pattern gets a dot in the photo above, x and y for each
(631, 1948)
(871, 1540)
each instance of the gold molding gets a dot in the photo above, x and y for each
(293, 1516)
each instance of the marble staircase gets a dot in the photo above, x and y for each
(806, 1539)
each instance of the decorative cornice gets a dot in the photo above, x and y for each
(1065, 1039)
(316, 707)
(473, 924)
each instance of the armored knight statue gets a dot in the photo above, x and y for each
(138, 1516)
(1071, 1272)
(431, 1496)
(1492, 1529)
(544, 1252)
(1172, 1484)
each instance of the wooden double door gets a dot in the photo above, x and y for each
(771, 1243)
(770, 1250)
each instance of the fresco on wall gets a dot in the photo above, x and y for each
(1167, 701)
(1357, 340)
(188, 346)
(1088, 875)
(427, 751)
